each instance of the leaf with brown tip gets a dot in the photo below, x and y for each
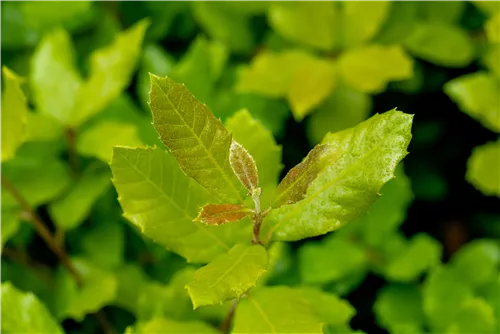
(216, 214)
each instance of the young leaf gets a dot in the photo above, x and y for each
(367, 157)
(168, 326)
(23, 313)
(197, 139)
(228, 276)
(294, 185)
(478, 95)
(260, 144)
(276, 310)
(216, 214)
(14, 114)
(243, 165)
(110, 71)
(157, 197)
(370, 68)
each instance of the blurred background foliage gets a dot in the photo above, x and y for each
(425, 258)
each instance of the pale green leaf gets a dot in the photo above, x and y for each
(197, 139)
(482, 168)
(276, 310)
(216, 214)
(443, 293)
(492, 27)
(475, 316)
(361, 20)
(477, 261)
(111, 69)
(167, 326)
(73, 208)
(271, 73)
(367, 157)
(442, 11)
(24, 313)
(104, 244)
(260, 144)
(39, 180)
(399, 306)
(478, 95)
(343, 109)
(42, 127)
(308, 23)
(319, 262)
(243, 165)
(370, 68)
(421, 254)
(310, 85)
(98, 141)
(330, 308)
(14, 114)
(157, 197)
(441, 44)
(70, 301)
(54, 80)
(10, 226)
(229, 276)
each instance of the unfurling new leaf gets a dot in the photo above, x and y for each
(228, 276)
(216, 214)
(243, 166)
(197, 139)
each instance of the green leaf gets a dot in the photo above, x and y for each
(476, 262)
(216, 214)
(492, 28)
(244, 167)
(104, 244)
(367, 156)
(400, 22)
(70, 301)
(276, 310)
(369, 68)
(310, 85)
(54, 80)
(228, 276)
(10, 226)
(162, 325)
(73, 208)
(399, 306)
(157, 197)
(330, 308)
(98, 141)
(260, 144)
(344, 108)
(441, 44)
(14, 114)
(131, 279)
(41, 127)
(487, 7)
(361, 21)
(24, 313)
(39, 180)
(228, 27)
(478, 95)
(475, 316)
(111, 69)
(442, 11)
(308, 23)
(421, 254)
(47, 14)
(490, 59)
(319, 262)
(444, 293)
(197, 139)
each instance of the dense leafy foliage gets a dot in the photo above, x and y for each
(208, 167)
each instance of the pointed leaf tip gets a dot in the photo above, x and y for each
(243, 166)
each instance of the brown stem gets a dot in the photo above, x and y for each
(72, 154)
(257, 224)
(226, 324)
(41, 228)
(104, 323)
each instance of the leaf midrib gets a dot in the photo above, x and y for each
(263, 315)
(219, 167)
(230, 268)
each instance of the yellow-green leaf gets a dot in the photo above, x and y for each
(161, 201)
(22, 312)
(168, 326)
(482, 168)
(229, 276)
(370, 68)
(492, 28)
(367, 157)
(197, 139)
(478, 95)
(14, 114)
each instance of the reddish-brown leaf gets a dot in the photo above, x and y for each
(216, 214)
(243, 166)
